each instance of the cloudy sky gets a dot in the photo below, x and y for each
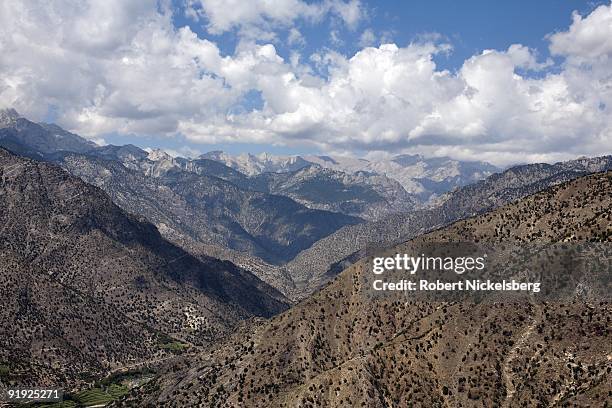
(505, 82)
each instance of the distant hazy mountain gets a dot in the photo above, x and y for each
(316, 265)
(86, 287)
(251, 164)
(423, 177)
(366, 195)
(343, 347)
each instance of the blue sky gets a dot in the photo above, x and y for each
(314, 76)
(471, 26)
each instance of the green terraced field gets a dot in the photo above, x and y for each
(94, 396)
(117, 391)
(174, 346)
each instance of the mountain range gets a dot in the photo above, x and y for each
(259, 221)
(341, 347)
(315, 266)
(424, 178)
(271, 227)
(365, 195)
(236, 280)
(206, 209)
(270, 214)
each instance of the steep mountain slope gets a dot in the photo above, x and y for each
(319, 263)
(277, 224)
(342, 347)
(207, 210)
(87, 288)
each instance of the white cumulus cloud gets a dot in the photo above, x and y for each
(119, 66)
(588, 38)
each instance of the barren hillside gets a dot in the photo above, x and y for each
(341, 348)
